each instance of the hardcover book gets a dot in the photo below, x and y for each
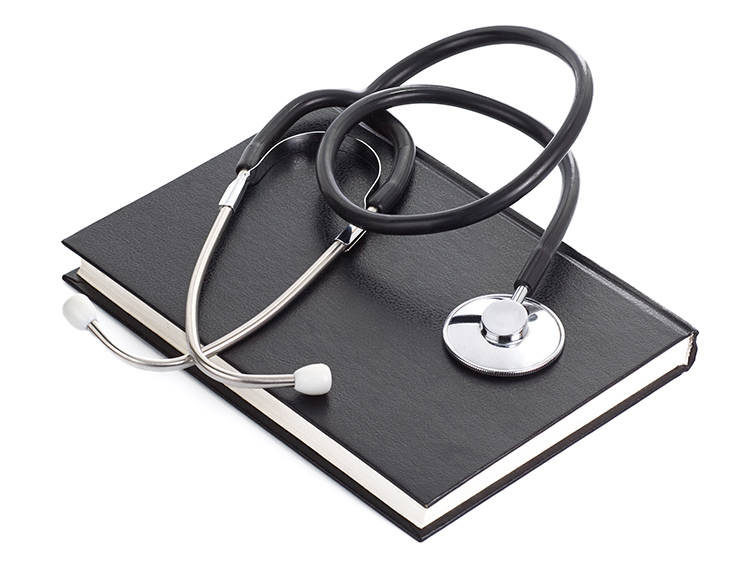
(406, 427)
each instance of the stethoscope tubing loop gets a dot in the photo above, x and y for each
(556, 146)
(445, 220)
(474, 211)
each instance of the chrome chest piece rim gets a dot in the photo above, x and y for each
(497, 335)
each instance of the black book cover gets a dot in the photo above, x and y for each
(399, 403)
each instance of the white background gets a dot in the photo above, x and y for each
(111, 474)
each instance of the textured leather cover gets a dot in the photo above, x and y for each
(399, 401)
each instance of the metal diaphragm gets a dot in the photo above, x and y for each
(496, 335)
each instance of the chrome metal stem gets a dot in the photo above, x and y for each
(520, 294)
(191, 320)
(137, 361)
(351, 235)
(236, 189)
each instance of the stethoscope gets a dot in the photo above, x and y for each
(499, 334)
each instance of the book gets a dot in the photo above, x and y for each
(406, 427)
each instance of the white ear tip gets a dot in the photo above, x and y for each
(313, 379)
(79, 311)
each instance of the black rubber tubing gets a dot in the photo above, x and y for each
(554, 151)
(552, 237)
(394, 130)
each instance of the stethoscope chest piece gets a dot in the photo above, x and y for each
(499, 335)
